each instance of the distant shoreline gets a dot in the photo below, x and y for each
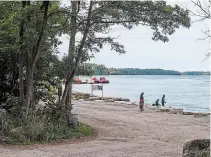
(103, 70)
(156, 74)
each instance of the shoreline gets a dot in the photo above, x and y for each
(171, 110)
(189, 93)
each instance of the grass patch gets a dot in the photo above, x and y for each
(44, 125)
(39, 134)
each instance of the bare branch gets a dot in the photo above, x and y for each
(60, 11)
(207, 56)
(205, 13)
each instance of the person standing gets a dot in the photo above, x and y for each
(141, 103)
(163, 100)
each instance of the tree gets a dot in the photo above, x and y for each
(34, 27)
(93, 21)
(38, 35)
(203, 13)
(21, 23)
(24, 41)
(8, 47)
(28, 60)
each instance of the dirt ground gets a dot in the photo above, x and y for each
(123, 131)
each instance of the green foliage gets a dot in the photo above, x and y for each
(102, 70)
(8, 49)
(8, 75)
(41, 126)
(98, 69)
(196, 73)
(163, 19)
(136, 71)
(84, 70)
(49, 70)
(38, 131)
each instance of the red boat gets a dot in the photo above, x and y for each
(95, 80)
(103, 80)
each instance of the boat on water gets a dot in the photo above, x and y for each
(93, 80)
(101, 80)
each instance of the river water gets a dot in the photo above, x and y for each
(192, 93)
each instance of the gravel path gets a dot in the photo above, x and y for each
(123, 131)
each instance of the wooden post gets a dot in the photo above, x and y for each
(102, 90)
(91, 90)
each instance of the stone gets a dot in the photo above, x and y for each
(120, 102)
(128, 103)
(95, 98)
(133, 103)
(109, 100)
(176, 111)
(188, 113)
(126, 99)
(201, 114)
(197, 148)
(2, 139)
(154, 108)
(73, 120)
(164, 110)
(173, 112)
(196, 114)
(3, 119)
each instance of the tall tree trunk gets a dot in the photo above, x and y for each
(29, 89)
(71, 52)
(34, 56)
(68, 85)
(68, 104)
(21, 83)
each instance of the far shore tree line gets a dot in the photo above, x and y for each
(95, 69)
(29, 39)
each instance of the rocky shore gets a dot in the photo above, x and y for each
(170, 110)
(89, 97)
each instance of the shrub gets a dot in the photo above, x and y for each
(41, 125)
(38, 131)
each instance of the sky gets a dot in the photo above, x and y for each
(183, 52)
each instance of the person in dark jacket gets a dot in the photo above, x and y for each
(163, 100)
(156, 103)
(141, 103)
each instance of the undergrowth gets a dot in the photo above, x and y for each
(38, 133)
(40, 126)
